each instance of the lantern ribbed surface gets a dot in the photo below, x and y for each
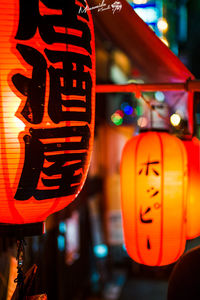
(47, 105)
(153, 192)
(193, 200)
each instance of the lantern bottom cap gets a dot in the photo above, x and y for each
(22, 230)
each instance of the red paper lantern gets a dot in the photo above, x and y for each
(47, 102)
(193, 200)
(153, 188)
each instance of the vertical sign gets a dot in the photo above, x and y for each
(47, 79)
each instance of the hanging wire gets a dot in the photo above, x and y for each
(20, 260)
(148, 103)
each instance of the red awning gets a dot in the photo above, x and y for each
(155, 61)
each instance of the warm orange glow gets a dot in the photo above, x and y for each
(153, 189)
(193, 201)
(39, 105)
(165, 41)
(162, 24)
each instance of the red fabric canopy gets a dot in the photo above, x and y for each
(154, 60)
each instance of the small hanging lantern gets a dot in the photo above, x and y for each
(47, 100)
(193, 202)
(153, 189)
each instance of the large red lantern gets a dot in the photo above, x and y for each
(153, 188)
(193, 201)
(47, 102)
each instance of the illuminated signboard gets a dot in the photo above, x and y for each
(47, 98)
(154, 189)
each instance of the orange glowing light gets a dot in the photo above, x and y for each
(165, 41)
(43, 116)
(153, 189)
(193, 202)
(162, 25)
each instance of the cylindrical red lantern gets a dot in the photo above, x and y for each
(47, 102)
(153, 189)
(193, 200)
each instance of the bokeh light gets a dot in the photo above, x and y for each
(117, 117)
(142, 122)
(162, 25)
(140, 1)
(175, 119)
(159, 96)
(127, 108)
(101, 250)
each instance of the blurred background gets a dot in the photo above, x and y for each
(82, 255)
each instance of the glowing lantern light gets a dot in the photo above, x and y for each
(193, 201)
(47, 99)
(153, 188)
